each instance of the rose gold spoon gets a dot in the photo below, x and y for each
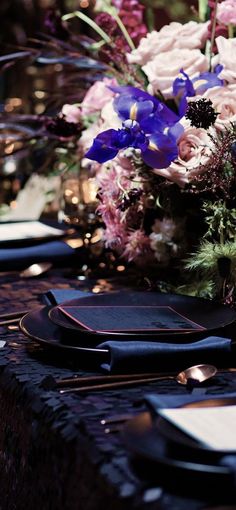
(196, 374)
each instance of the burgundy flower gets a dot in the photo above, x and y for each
(107, 23)
(58, 126)
(54, 25)
(131, 13)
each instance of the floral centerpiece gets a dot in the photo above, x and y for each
(157, 129)
(161, 138)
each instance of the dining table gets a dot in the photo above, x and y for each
(55, 453)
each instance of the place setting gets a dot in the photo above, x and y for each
(33, 247)
(185, 349)
(129, 330)
(190, 446)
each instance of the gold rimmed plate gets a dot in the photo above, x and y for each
(206, 316)
(37, 326)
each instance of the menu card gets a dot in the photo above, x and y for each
(214, 427)
(27, 230)
(129, 318)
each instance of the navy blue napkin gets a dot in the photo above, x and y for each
(132, 355)
(15, 258)
(57, 296)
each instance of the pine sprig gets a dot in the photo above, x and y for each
(206, 259)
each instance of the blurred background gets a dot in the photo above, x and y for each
(33, 87)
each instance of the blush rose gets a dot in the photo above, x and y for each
(165, 67)
(98, 96)
(194, 148)
(190, 35)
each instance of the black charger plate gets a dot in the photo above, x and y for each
(209, 315)
(37, 326)
(154, 459)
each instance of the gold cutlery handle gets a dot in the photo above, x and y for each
(80, 381)
(114, 385)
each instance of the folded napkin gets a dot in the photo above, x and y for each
(156, 402)
(132, 355)
(17, 258)
(56, 296)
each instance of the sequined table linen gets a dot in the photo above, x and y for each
(54, 453)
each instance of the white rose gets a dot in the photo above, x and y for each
(227, 58)
(165, 67)
(190, 35)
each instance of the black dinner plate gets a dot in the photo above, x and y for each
(37, 326)
(182, 441)
(207, 314)
(154, 459)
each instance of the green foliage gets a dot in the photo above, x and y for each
(221, 221)
(199, 288)
(205, 260)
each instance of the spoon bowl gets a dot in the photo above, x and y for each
(36, 270)
(197, 373)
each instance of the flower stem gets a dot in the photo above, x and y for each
(150, 19)
(202, 9)
(90, 22)
(123, 29)
(213, 31)
(230, 30)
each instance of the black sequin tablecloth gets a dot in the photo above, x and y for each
(54, 454)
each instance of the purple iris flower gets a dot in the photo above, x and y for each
(184, 87)
(129, 95)
(207, 80)
(148, 125)
(108, 143)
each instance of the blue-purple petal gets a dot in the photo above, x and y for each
(183, 88)
(129, 108)
(104, 147)
(163, 155)
(206, 81)
(137, 95)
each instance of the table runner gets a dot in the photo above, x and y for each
(54, 453)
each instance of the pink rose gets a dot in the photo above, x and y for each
(191, 35)
(224, 102)
(194, 150)
(165, 67)
(71, 113)
(97, 96)
(226, 12)
(227, 57)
